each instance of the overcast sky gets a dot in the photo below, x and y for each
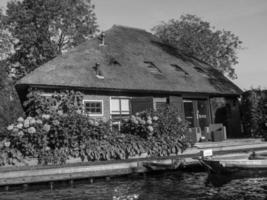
(245, 18)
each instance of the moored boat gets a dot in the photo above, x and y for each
(155, 166)
(234, 165)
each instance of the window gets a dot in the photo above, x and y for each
(93, 107)
(179, 69)
(47, 95)
(98, 71)
(152, 67)
(113, 61)
(200, 70)
(119, 106)
(159, 103)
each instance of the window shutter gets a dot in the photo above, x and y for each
(115, 106)
(140, 104)
(125, 107)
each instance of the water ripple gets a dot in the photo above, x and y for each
(160, 186)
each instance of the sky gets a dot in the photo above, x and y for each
(245, 18)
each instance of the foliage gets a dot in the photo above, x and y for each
(45, 28)
(33, 32)
(195, 37)
(163, 130)
(56, 136)
(39, 102)
(254, 113)
(6, 40)
(51, 139)
(140, 124)
(10, 107)
(165, 121)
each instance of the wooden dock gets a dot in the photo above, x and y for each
(36, 174)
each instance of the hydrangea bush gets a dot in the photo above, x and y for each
(53, 138)
(54, 135)
(164, 130)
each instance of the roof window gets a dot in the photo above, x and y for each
(179, 69)
(102, 39)
(99, 73)
(113, 61)
(200, 70)
(152, 67)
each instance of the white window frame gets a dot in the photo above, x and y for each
(45, 94)
(158, 100)
(94, 115)
(120, 98)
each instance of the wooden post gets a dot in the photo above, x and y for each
(6, 188)
(71, 183)
(108, 178)
(91, 180)
(51, 185)
(144, 175)
(25, 186)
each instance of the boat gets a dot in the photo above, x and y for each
(258, 156)
(254, 161)
(156, 166)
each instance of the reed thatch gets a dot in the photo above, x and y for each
(122, 63)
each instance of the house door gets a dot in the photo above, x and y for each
(196, 113)
(189, 113)
(202, 113)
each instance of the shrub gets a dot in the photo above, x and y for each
(140, 124)
(163, 128)
(63, 101)
(52, 138)
(254, 113)
(165, 121)
(56, 131)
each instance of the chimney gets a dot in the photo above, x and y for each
(102, 39)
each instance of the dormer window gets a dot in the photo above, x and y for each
(102, 39)
(200, 70)
(99, 73)
(179, 69)
(113, 61)
(152, 67)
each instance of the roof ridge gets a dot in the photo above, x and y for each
(129, 27)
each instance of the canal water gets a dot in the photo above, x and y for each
(160, 186)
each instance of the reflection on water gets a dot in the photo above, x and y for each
(160, 186)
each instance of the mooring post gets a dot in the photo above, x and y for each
(144, 175)
(107, 178)
(6, 188)
(91, 180)
(71, 182)
(25, 186)
(51, 185)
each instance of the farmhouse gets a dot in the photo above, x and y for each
(128, 70)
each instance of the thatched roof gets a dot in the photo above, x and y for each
(125, 62)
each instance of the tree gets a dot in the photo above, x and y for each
(195, 37)
(31, 33)
(10, 107)
(44, 29)
(6, 42)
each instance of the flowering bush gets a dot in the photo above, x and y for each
(52, 138)
(58, 132)
(140, 124)
(165, 121)
(164, 130)
(62, 102)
